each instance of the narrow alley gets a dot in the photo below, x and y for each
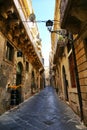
(43, 111)
(40, 46)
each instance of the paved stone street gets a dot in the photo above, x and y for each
(44, 111)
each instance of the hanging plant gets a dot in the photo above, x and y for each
(62, 41)
(60, 38)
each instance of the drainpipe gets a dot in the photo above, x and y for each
(77, 79)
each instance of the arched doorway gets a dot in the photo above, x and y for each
(19, 73)
(16, 93)
(65, 83)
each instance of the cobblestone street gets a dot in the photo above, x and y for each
(44, 111)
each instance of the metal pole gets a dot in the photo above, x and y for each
(77, 81)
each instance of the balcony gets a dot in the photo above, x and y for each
(60, 43)
(73, 14)
(12, 25)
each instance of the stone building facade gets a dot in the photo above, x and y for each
(70, 60)
(20, 53)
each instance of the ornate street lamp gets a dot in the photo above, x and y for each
(49, 25)
(62, 33)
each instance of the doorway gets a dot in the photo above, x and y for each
(65, 83)
(16, 94)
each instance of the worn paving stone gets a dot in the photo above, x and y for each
(44, 111)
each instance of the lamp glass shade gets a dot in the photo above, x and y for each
(49, 25)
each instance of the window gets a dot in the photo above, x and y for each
(70, 36)
(27, 66)
(19, 54)
(9, 52)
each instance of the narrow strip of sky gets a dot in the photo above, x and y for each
(44, 10)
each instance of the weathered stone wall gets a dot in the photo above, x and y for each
(6, 75)
(81, 57)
